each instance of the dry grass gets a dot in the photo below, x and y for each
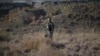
(35, 41)
(29, 41)
(83, 43)
(70, 16)
(34, 44)
(75, 44)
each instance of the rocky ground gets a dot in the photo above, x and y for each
(77, 28)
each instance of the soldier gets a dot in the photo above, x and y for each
(50, 28)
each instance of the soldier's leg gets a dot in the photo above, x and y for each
(48, 34)
(49, 37)
(52, 34)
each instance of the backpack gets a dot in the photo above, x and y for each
(50, 26)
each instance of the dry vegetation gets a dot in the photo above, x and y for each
(72, 18)
(77, 31)
(63, 44)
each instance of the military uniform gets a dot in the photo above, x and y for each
(50, 29)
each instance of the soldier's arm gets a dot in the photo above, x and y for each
(46, 26)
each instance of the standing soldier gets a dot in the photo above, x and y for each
(50, 28)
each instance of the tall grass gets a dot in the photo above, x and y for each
(75, 44)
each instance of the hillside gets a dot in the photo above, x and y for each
(71, 18)
(77, 28)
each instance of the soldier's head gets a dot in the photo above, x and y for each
(49, 19)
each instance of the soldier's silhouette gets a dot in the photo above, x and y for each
(50, 28)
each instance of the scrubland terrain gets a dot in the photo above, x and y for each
(77, 30)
